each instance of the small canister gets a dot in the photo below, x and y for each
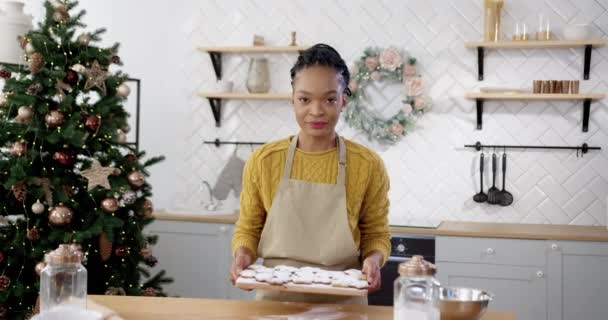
(63, 282)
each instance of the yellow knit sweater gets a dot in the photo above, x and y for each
(367, 186)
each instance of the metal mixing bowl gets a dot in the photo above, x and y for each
(463, 303)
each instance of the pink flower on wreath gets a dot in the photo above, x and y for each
(396, 129)
(371, 63)
(375, 76)
(415, 86)
(353, 85)
(390, 59)
(409, 71)
(407, 109)
(420, 103)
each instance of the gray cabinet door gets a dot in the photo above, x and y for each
(195, 256)
(518, 289)
(582, 291)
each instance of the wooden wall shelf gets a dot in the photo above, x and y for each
(588, 44)
(480, 97)
(216, 53)
(215, 100)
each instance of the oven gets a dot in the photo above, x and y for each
(403, 247)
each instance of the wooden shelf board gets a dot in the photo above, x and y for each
(254, 49)
(533, 96)
(537, 44)
(247, 96)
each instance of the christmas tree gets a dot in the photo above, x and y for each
(67, 174)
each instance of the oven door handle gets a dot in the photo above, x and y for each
(398, 259)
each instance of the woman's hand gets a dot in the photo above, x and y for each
(371, 268)
(243, 258)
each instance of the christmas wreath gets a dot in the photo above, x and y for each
(385, 65)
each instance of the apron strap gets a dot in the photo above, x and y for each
(341, 180)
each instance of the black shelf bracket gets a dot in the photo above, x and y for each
(479, 113)
(480, 57)
(216, 108)
(587, 63)
(586, 111)
(216, 60)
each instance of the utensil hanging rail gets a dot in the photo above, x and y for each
(217, 142)
(584, 147)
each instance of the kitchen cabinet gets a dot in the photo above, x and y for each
(513, 270)
(197, 256)
(578, 280)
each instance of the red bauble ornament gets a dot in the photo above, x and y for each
(131, 157)
(71, 77)
(5, 74)
(1, 257)
(150, 292)
(33, 234)
(64, 158)
(5, 282)
(92, 123)
(121, 251)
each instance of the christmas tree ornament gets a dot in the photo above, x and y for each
(37, 207)
(136, 178)
(29, 48)
(92, 122)
(36, 62)
(61, 14)
(116, 60)
(19, 191)
(71, 77)
(79, 68)
(33, 234)
(121, 251)
(84, 39)
(1, 257)
(126, 128)
(34, 89)
(151, 261)
(109, 205)
(96, 78)
(129, 197)
(5, 74)
(5, 282)
(147, 209)
(105, 247)
(61, 89)
(46, 187)
(97, 175)
(121, 136)
(146, 252)
(39, 267)
(150, 292)
(114, 291)
(64, 158)
(24, 114)
(3, 311)
(19, 148)
(123, 90)
(54, 119)
(60, 215)
(131, 157)
(3, 99)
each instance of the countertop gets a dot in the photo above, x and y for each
(140, 308)
(452, 228)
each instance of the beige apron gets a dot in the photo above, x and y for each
(308, 226)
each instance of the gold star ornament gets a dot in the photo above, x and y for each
(98, 175)
(96, 78)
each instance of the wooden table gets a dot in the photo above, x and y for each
(144, 308)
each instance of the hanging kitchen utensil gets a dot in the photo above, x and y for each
(481, 196)
(506, 198)
(494, 193)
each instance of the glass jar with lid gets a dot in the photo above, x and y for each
(416, 294)
(63, 282)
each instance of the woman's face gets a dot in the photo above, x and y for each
(318, 98)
